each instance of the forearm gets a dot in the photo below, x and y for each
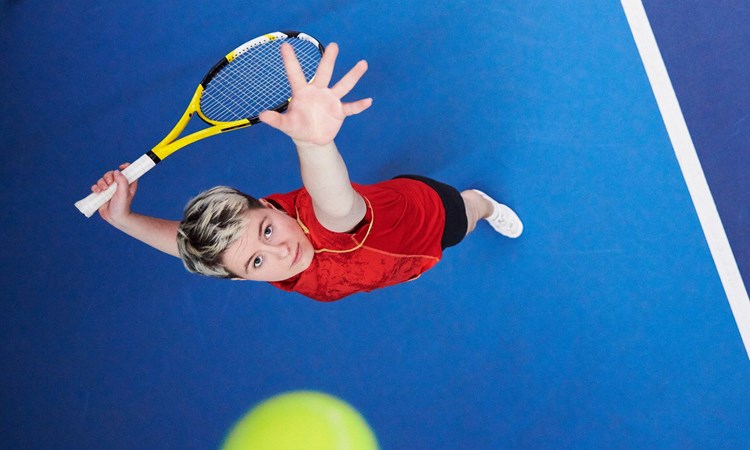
(337, 205)
(160, 234)
(313, 119)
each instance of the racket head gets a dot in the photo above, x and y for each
(252, 79)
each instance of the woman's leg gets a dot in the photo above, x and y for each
(480, 206)
(477, 208)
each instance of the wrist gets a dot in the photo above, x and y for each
(123, 221)
(310, 146)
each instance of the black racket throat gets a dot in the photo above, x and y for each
(153, 157)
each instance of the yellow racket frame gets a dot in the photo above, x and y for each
(169, 145)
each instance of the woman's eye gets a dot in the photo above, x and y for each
(268, 232)
(257, 262)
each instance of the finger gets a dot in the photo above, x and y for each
(357, 107)
(102, 184)
(124, 165)
(325, 68)
(97, 186)
(348, 81)
(293, 70)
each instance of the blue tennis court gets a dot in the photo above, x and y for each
(615, 321)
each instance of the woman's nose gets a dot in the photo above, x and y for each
(280, 250)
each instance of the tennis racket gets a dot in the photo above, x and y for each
(249, 80)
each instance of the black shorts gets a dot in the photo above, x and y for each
(456, 223)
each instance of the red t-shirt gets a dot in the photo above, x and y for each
(398, 240)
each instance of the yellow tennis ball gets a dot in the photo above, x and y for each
(301, 420)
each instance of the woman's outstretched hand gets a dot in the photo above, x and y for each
(316, 112)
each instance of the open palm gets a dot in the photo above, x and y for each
(316, 112)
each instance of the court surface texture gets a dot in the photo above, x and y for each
(618, 320)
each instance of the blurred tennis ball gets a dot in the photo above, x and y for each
(301, 420)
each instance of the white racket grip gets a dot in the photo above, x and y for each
(89, 205)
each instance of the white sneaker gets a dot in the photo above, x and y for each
(503, 219)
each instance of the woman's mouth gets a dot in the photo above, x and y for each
(297, 256)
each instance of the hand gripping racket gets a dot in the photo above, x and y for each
(249, 80)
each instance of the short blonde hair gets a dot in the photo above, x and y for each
(212, 221)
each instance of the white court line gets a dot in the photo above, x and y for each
(690, 166)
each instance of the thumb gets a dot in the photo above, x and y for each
(272, 119)
(122, 184)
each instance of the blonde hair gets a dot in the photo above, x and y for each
(212, 221)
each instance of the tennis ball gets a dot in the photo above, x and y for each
(301, 420)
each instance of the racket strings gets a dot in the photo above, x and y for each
(255, 81)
